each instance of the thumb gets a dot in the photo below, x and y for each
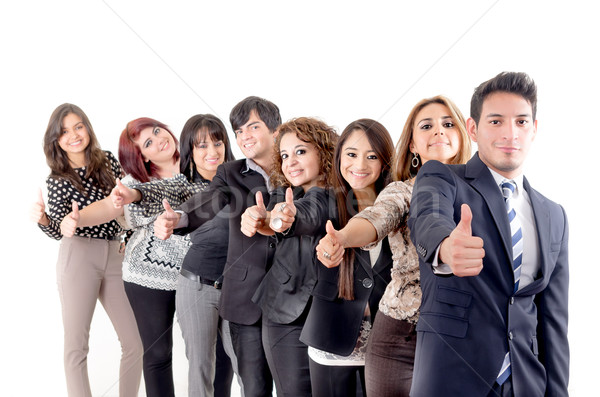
(119, 185)
(167, 207)
(40, 196)
(289, 196)
(75, 214)
(259, 201)
(466, 216)
(331, 232)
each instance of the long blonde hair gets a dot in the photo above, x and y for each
(402, 168)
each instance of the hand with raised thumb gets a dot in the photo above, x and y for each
(69, 222)
(254, 217)
(122, 195)
(166, 222)
(330, 249)
(284, 214)
(462, 251)
(38, 210)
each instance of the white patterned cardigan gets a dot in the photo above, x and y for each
(149, 261)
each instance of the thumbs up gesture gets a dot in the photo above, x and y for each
(69, 222)
(462, 251)
(166, 222)
(38, 210)
(254, 217)
(122, 195)
(284, 214)
(330, 249)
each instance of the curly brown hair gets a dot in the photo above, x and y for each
(315, 132)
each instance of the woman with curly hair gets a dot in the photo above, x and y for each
(302, 204)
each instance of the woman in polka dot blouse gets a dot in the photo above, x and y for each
(149, 153)
(89, 262)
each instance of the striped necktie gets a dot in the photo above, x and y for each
(508, 188)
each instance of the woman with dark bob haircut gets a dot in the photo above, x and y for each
(89, 262)
(149, 153)
(435, 130)
(204, 145)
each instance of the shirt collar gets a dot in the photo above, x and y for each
(499, 179)
(252, 166)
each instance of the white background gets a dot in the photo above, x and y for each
(340, 61)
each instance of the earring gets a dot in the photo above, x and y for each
(415, 160)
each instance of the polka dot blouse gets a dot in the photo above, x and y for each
(61, 193)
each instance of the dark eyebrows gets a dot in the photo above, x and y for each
(490, 115)
(351, 148)
(431, 119)
(62, 127)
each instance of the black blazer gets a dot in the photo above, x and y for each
(248, 258)
(284, 293)
(333, 323)
(467, 324)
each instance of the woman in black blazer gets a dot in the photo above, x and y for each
(303, 160)
(346, 298)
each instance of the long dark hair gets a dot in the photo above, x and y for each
(194, 132)
(380, 140)
(97, 166)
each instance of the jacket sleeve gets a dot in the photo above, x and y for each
(204, 205)
(432, 208)
(553, 318)
(312, 212)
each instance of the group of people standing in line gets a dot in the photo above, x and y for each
(297, 265)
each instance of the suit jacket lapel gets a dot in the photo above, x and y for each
(542, 224)
(254, 182)
(364, 259)
(482, 180)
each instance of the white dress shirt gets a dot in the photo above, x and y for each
(530, 265)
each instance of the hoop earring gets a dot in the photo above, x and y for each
(415, 160)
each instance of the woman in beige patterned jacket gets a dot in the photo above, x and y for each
(435, 130)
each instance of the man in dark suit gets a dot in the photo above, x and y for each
(255, 122)
(493, 261)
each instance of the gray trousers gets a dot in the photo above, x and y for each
(197, 308)
(89, 270)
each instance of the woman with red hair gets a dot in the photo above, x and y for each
(148, 151)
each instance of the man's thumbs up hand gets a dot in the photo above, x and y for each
(462, 251)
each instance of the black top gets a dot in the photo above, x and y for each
(248, 258)
(284, 293)
(61, 194)
(330, 315)
(208, 253)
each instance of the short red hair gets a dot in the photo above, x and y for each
(130, 155)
